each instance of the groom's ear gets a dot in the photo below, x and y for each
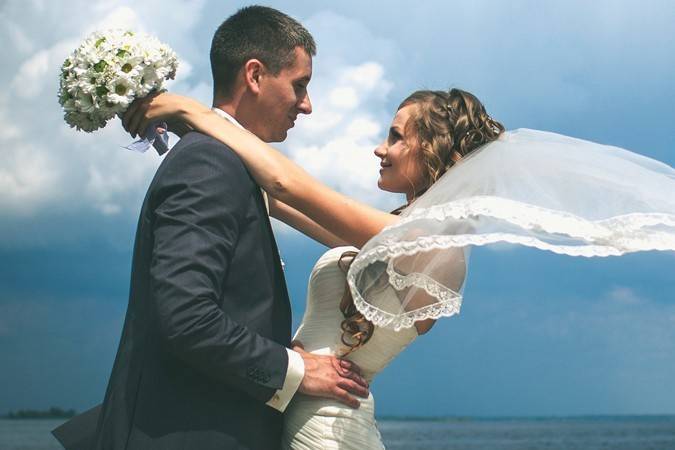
(253, 71)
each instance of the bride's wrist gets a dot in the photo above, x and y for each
(191, 110)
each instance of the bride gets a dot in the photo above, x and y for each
(467, 182)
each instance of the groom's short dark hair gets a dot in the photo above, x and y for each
(256, 32)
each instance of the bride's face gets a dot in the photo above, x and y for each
(400, 165)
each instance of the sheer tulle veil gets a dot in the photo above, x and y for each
(530, 188)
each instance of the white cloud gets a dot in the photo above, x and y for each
(335, 143)
(350, 92)
(46, 166)
(344, 97)
(350, 95)
(28, 82)
(50, 167)
(368, 76)
(26, 179)
(120, 17)
(337, 146)
(40, 71)
(18, 39)
(10, 130)
(360, 56)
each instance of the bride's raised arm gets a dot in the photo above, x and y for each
(299, 221)
(351, 221)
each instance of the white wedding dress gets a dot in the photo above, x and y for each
(317, 423)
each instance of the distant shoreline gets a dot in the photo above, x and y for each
(51, 413)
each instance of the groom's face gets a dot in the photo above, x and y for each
(283, 96)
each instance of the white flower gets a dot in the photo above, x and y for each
(85, 103)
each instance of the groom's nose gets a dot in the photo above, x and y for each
(305, 105)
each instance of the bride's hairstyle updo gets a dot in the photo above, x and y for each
(445, 127)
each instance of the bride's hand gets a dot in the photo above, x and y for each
(159, 107)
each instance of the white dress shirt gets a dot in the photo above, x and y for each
(296, 366)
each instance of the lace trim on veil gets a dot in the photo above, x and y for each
(608, 237)
(611, 231)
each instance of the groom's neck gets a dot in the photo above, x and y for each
(242, 113)
(231, 109)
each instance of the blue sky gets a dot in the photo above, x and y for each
(539, 334)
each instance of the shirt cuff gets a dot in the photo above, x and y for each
(294, 375)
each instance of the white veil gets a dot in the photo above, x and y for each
(531, 188)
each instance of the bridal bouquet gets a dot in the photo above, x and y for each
(107, 72)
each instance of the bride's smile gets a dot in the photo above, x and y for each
(400, 169)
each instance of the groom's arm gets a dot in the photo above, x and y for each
(199, 205)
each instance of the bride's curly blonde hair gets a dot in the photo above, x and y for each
(445, 127)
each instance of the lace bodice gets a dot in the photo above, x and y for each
(320, 330)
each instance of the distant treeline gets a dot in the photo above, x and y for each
(51, 413)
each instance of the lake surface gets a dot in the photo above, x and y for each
(594, 433)
(580, 433)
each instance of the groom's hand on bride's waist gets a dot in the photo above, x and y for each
(331, 377)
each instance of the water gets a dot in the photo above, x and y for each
(594, 433)
(28, 434)
(584, 433)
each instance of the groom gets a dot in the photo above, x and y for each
(203, 361)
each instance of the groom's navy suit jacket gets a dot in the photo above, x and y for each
(203, 344)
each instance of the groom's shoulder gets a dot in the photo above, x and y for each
(194, 145)
(196, 139)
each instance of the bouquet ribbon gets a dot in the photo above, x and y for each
(152, 138)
